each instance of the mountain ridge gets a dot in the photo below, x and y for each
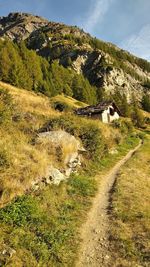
(105, 65)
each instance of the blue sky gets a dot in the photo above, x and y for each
(125, 23)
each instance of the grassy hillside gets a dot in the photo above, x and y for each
(22, 113)
(28, 101)
(130, 231)
(41, 228)
(37, 103)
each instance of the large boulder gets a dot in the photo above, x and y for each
(68, 150)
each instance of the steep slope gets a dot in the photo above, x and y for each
(105, 65)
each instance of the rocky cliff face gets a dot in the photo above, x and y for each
(19, 26)
(105, 65)
(98, 68)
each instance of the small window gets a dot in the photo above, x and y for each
(111, 110)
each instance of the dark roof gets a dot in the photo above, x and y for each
(96, 109)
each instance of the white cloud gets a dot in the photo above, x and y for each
(96, 13)
(139, 44)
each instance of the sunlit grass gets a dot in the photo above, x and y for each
(130, 212)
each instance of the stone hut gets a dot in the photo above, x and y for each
(106, 111)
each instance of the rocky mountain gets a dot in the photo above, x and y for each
(103, 64)
(19, 26)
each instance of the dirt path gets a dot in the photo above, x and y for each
(94, 251)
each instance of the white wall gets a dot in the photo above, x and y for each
(114, 117)
(106, 117)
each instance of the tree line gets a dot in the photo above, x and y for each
(23, 68)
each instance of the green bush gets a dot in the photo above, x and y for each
(137, 116)
(146, 103)
(93, 140)
(6, 106)
(60, 106)
(124, 125)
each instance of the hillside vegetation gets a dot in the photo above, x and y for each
(41, 227)
(22, 114)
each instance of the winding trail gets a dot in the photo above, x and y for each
(94, 250)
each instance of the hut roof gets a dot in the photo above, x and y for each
(96, 109)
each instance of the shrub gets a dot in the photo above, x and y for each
(137, 117)
(60, 106)
(6, 106)
(146, 103)
(125, 125)
(147, 120)
(92, 139)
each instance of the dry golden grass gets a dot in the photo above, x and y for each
(24, 162)
(146, 114)
(29, 101)
(131, 212)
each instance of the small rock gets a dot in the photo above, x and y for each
(107, 257)
(54, 176)
(113, 151)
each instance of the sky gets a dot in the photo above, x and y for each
(125, 23)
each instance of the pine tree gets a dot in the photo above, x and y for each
(121, 101)
(146, 103)
(33, 67)
(137, 116)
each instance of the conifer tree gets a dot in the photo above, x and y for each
(146, 102)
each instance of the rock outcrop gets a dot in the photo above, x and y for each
(67, 150)
(98, 68)
(19, 26)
